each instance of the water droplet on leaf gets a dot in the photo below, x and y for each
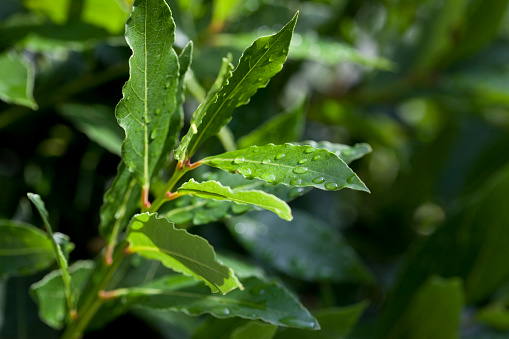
(280, 156)
(296, 322)
(238, 160)
(270, 178)
(245, 171)
(266, 161)
(309, 150)
(318, 180)
(302, 161)
(300, 170)
(331, 186)
(295, 181)
(316, 157)
(351, 179)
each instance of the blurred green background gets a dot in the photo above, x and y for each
(424, 82)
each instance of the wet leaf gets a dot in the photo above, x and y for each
(290, 165)
(24, 249)
(155, 238)
(214, 190)
(258, 64)
(149, 96)
(260, 300)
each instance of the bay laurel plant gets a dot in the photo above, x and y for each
(156, 179)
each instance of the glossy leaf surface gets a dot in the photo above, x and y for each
(258, 64)
(290, 165)
(305, 248)
(16, 81)
(155, 238)
(148, 100)
(214, 190)
(267, 301)
(48, 292)
(24, 249)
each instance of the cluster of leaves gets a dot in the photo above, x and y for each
(423, 256)
(151, 114)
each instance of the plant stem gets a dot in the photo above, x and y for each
(91, 299)
(161, 199)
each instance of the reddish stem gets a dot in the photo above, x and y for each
(144, 198)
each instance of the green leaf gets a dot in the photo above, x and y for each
(197, 211)
(120, 202)
(434, 311)
(177, 118)
(201, 211)
(260, 300)
(290, 165)
(345, 152)
(285, 127)
(335, 323)
(57, 249)
(305, 248)
(257, 65)
(24, 249)
(158, 239)
(222, 79)
(311, 47)
(214, 190)
(16, 81)
(49, 292)
(97, 122)
(149, 95)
